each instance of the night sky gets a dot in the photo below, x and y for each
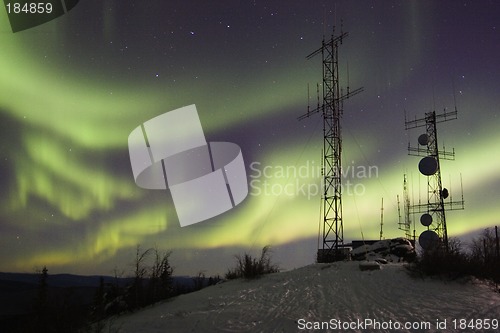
(73, 89)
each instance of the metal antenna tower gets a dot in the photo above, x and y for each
(331, 109)
(406, 224)
(433, 212)
(382, 220)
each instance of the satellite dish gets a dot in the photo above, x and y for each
(426, 219)
(428, 239)
(428, 166)
(445, 193)
(423, 139)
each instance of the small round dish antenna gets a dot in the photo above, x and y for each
(423, 139)
(426, 219)
(445, 193)
(428, 166)
(428, 239)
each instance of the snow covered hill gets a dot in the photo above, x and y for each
(327, 297)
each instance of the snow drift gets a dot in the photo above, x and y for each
(325, 297)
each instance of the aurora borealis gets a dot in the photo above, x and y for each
(73, 89)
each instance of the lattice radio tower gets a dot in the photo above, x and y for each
(405, 225)
(331, 109)
(433, 211)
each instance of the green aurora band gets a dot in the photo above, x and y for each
(64, 208)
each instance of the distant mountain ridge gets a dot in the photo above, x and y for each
(19, 290)
(61, 280)
(72, 280)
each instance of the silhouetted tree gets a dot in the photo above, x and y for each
(160, 282)
(136, 293)
(41, 302)
(485, 256)
(98, 310)
(199, 281)
(249, 267)
(213, 280)
(166, 271)
(484, 247)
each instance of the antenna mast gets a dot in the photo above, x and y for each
(382, 219)
(406, 224)
(433, 212)
(331, 109)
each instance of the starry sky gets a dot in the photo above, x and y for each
(72, 90)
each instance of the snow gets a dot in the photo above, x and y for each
(396, 247)
(369, 265)
(309, 296)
